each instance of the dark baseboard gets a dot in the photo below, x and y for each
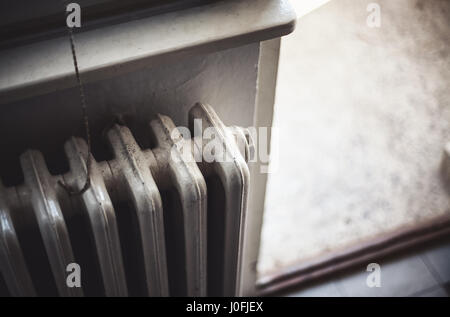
(379, 247)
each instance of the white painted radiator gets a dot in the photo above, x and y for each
(136, 59)
(158, 222)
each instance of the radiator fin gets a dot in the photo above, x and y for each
(191, 187)
(50, 219)
(102, 217)
(144, 194)
(12, 261)
(235, 177)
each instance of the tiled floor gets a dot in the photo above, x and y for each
(423, 273)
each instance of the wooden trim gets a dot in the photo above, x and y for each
(267, 77)
(381, 246)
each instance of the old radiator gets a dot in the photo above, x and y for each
(153, 222)
(136, 59)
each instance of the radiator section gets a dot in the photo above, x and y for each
(153, 222)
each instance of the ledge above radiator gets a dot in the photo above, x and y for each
(46, 66)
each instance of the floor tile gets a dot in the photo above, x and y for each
(439, 258)
(433, 292)
(403, 277)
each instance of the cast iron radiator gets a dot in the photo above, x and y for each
(155, 222)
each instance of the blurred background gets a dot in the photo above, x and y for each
(363, 115)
